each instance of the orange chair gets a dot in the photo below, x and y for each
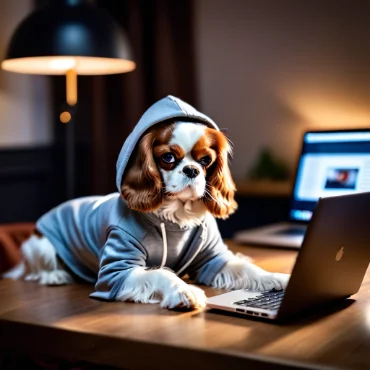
(11, 238)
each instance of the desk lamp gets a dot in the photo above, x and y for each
(69, 37)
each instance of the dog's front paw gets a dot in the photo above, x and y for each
(54, 277)
(184, 296)
(271, 281)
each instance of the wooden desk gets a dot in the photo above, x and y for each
(64, 321)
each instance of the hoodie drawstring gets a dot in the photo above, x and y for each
(201, 244)
(165, 247)
(164, 238)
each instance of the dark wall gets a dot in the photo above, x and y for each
(28, 185)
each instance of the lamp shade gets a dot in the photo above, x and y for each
(69, 34)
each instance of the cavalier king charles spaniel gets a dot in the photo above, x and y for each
(179, 173)
(188, 172)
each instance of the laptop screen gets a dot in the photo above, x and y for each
(332, 163)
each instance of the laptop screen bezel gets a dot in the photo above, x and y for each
(362, 129)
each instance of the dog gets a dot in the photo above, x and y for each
(173, 179)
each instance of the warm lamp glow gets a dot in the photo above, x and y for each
(59, 65)
(71, 86)
(65, 117)
(70, 66)
(62, 63)
(69, 37)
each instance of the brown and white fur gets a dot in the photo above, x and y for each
(179, 172)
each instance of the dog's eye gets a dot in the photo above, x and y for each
(168, 158)
(205, 161)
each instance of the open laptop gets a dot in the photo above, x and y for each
(331, 163)
(331, 264)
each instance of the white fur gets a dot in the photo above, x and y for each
(41, 263)
(186, 135)
(185, 213)
(153, 286)
(175, 181)
(17, 272)
(241, 273)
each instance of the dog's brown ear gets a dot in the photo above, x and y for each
(142, 183)
(219, 198)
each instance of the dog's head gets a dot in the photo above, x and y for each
(186, 161)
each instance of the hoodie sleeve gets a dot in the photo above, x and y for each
(120, 254)
(212, 258)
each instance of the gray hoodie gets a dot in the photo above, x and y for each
(101, 240)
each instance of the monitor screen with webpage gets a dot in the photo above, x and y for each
(331, 163)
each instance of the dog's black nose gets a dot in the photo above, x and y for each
(190, 171)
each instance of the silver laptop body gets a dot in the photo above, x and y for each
(331, 264)
(331, 163)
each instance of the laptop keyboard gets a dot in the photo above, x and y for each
(268, 300)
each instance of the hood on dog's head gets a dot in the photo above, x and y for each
(138, 178)
(168, 108)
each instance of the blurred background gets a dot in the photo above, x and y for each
(264, 70)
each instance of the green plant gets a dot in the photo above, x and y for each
(269, 167)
